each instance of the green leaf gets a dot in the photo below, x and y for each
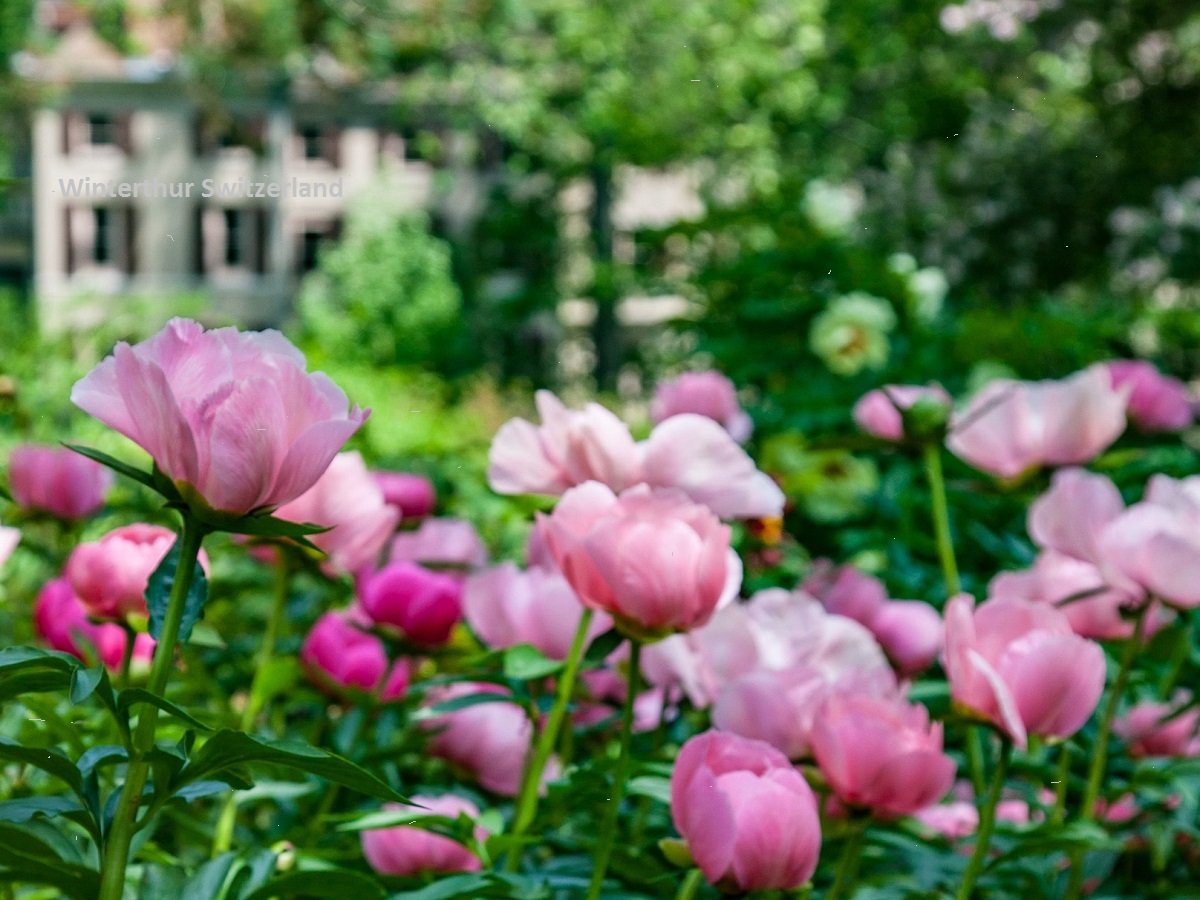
(525, 662)
(131, 697)
(279, 674)
(457, 703)
(269, 526)
(115, 464)
(158, 593)
(653, 786)
(49, 759)
(24, 809)
(331, 883)
(226, 752)
(34, 853)
(600, 648)
(471, 886)
(209, 881)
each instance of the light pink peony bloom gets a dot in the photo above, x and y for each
(879, 412)
(346, 499)
(653, 560)
(697, 456)
(9, 538)
(404, 850)
(845, 590)
(488, 740)
(1011, 427)
(709, 394)
(421, 604)
(749, 818)
(57, 481)
(110, 575)
(343, 658)
(777, 707)
(232, 418)
(568, 448)
(1020, 666)
(443, 542)
(911, 634)
(412, 494)
(506, 606)
(1156, 402)
(954, 820)
(1150, 730)
(881, 754)
(702, 661)
(1072, 515)
(61, 620)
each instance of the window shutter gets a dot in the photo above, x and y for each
(123, 132)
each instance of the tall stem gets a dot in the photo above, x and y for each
(690, 886)
(1060, 785)
(124, 825)
(848, 861)
(223, 836)
(1091, 792)
(527, 800)
(987, 821)
(975, 757)
(608, 830)
(941, 517)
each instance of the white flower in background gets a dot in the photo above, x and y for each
(902, 263)
(852, 333)
(927, 289)
(833, 208)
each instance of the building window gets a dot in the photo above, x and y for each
(102, 239)
(313, 141)
(233, 237)
(101, 130)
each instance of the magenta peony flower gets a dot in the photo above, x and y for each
(1019, 666)
(749, 819)
(231, 418)
(413, 495)
(57, 481)
(404, 850)
(347, 500)
(62, 621)
(341, 658)
(881, 754)
(423, 605)
(653, 560)
(1011, 427)
(879, 412)
(1156, 402)
(708, 394)
(110, 575)
(506, 606)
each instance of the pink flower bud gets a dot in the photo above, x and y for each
(1154, 729)
(911, 634)
(63, 623)
(110, 575)
(845, 590)
(652, 559)
(881, 754)
(708, 394)
(749, 819)
(231, 417)
(345, 659)
(58, 481)
(413, 495)
(404, 850)
(881, 412)
(422, 605)
(1156, 402)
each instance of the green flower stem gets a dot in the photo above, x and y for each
(126, 655)
(987, 821)
(223, 836)
(847, 869)
(690, 886)
(608, 829)
(527, 800)
(1178, 658)
(975, 758)
(124, 825)
(932, 454)
(1091, 792)
(1060, 785)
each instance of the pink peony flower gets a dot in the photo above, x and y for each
(1072, 515)
(442, 542)
(1159, 729)
(404, 850)
(412, 495)
(343, 658)
(62, 621)
(57, 481)
(749, 819)
(954, 820)
(347, 500)
(881, 754)
(231, 418)
(1011, 427)
(880, 412)
(777, 707)
(1019, 666)
(423, 605)
(653, 560)
(506, 606)
(709, 394)
(845, 590)
(110, 575)
(702, 661)
(1156, 402)
(488, 740)
(911, 634)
